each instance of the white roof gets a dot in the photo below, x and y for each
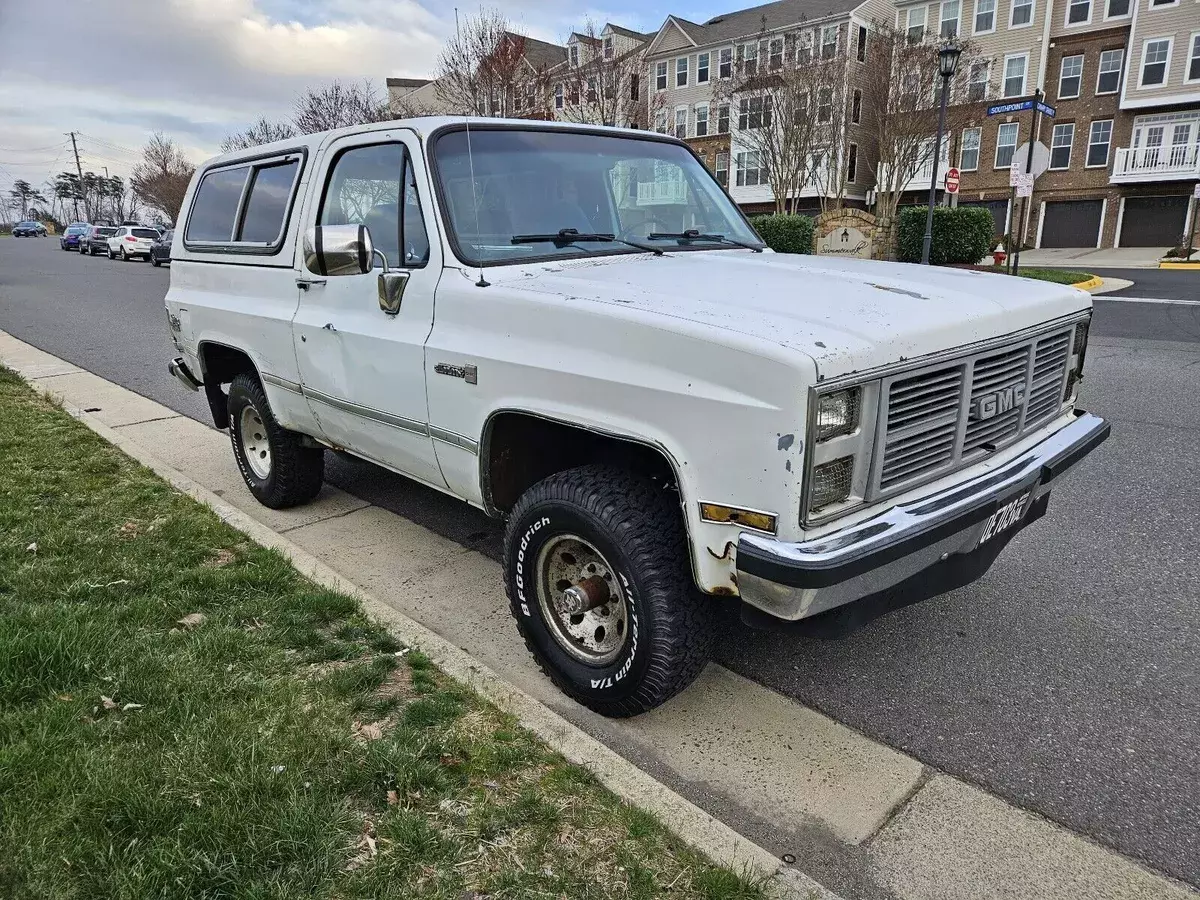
(422, 125)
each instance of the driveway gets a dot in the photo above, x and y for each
(1089, 258)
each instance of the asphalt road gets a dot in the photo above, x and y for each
(1066, 681)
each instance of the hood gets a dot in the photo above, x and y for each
(846, 314)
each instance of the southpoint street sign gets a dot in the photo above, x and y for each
(1016, 106)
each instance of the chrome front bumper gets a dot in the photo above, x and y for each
(792, 581)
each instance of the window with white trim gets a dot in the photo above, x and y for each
(723, 119)
(660, 121)
(1108, 79)
(1060, 145)
(950, 9)
(681, 71)
(1156, 57)
(1021, 14)
(804, 48)
(681, 121)
(825, 105)
(754, 112)
(829, 41)
(701, 119)
(748, 54)
(1070, 77)
(750, 170)
(968, 154)
(916, 24)
(775, 54)
(862, 43)
(856, 107)
(977, 84)
(1014, 74)
(702, 68)
(574, 53)
(1164, 2)
(660, 76)
(1116, 9)
(985, 16)
(725, 63)
(1099, 138)
(1006, 144)
(608, 46)
(852, 164)
(1079, 12)
(1193, 68)
(721, 168)
(558, 96)
(591, 90)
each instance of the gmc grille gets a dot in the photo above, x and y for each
(951, 415)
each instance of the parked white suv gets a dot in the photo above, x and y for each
(576, 329)
(129, 241)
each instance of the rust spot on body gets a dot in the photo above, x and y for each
(725, 555)
(722, 591)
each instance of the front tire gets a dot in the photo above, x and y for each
(279, 470)
(124, 255)
(153, 260)
(614, 542)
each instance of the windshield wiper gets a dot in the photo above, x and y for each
(565, 236)
(692, 234)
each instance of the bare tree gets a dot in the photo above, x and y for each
(161, 179)
(787, 105)
(604, 87)
(902, 95)
(338, 105)
(263, 131)
(484, 70)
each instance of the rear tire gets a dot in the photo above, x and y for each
(651, 635)
(279, 470)
(153, 260)
(124, 255)
(110, 253)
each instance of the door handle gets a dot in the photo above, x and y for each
(305, 283)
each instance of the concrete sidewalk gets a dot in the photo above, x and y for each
(1088, 259)
(860, 817)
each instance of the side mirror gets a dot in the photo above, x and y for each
(339, 250)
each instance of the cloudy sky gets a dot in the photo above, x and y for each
(114, 71)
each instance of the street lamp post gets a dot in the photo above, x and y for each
(948, 55)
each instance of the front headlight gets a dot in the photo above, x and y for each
(837, 413)
(831, 484)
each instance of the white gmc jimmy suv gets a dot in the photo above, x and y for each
(574, 328)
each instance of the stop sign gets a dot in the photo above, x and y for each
(952, 181)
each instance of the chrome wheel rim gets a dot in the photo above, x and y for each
(255, 446)
(572, 573)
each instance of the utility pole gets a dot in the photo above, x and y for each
(79, 172)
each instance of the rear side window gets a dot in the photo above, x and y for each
(214, 210)
(266, 208)
(149, 233)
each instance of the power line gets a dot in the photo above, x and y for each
(32, 149)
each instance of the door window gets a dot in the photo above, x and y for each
(376, 186)
(267, 206)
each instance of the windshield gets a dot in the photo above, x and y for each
(530, 183)
(104, 232)
(76, 229)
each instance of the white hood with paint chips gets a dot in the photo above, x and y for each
(847, 314)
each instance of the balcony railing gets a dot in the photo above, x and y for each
(1167, 163)
(918, 180)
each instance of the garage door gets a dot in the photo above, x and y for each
(1072, 223)
(1153, 221)
(998, 209)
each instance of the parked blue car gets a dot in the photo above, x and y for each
(71, 235)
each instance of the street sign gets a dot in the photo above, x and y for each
(1016, 106)
(1045, 109)
(1023, 182)
(1041, 158)
(952, 181)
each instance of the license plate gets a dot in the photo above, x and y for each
(1007, 516)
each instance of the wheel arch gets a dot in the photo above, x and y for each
(219, 365)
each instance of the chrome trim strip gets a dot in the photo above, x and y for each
(278, 382)
(368, 412)
(876, 554)
(454, 439)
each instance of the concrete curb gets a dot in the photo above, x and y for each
(1091, 284)
(1185, 266)
(694, 826)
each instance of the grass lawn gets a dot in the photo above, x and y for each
(183, 715)
(1058, 276)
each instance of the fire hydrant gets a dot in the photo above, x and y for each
(998, 255)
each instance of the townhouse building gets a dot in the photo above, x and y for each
(600, 80)
(689, 66)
